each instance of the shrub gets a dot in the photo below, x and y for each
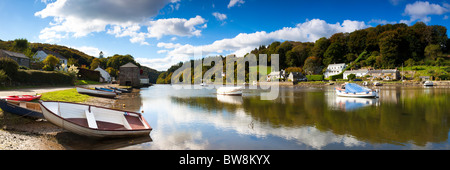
(9, 66)
(351, 76)
(314, 77)
(3, 76)
(335, 77)
(34, 77)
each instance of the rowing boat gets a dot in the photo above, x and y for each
(21, 108)
(94, 92)
(23, 97)
(95, 121)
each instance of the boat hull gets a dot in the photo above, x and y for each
(23, 97)
(99, 93)
(230, 91)
(90, 132)
(21, 111)
(372, 94)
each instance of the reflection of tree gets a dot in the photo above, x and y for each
(417, 117)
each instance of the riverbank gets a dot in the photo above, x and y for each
(19, 133)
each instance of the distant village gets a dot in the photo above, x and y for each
(129, 74)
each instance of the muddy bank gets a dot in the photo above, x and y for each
(21, 133)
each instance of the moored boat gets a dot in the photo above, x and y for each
(110, 90)
(95, 121)
(22, 97)
(94, 92)
(355, 90)
(428, 83)
(234, 91)
(21, 108)
(377, 83)
(122, 90)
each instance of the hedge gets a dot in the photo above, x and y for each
(314, 77)
(35, 77)
(338, 76)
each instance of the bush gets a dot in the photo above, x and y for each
(9, 66)
(3, 76)
(34, 77)
(335, 77)
(314, 77)
(351, 76)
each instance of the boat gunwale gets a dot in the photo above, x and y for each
(112, 130)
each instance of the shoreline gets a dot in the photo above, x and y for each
(21, 133)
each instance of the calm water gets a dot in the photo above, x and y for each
(301, 118)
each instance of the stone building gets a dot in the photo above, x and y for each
(129, 75)
(20, 58)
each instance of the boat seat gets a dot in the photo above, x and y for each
(91, 119)
(23, 104)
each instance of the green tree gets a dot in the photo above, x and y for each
(335, 53)
(20, 45)
(312, 65)
(357, 41)
(351, 76)
(119, 60)
(389, 48)
(320, 47)
(95, 63)
(282, 49)
(50, 62)
(433, 51)
(410, 62)
(112, 72)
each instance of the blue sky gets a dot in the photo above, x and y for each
(160, 33)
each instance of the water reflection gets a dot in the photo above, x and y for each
(301, 118)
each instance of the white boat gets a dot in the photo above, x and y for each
(354, 90)
(95, 121)
(235, 91)
(377, 83)
(94, 92)
(428, 83)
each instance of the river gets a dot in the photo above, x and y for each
(301, 118)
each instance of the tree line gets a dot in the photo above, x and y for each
(383, 47)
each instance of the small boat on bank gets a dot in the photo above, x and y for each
(22, 97)
(428, 83)
(122, 90)
(110, 90)
(94, 92)
(22, 108)
(95, 121)
(355, 90)
(234, 91)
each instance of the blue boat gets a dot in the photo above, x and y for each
(106, 89)
(22, 108)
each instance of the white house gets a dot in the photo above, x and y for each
(357, 73)
(104, 75)
(334, 69)
(42, 54)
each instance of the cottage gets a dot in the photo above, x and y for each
(20, 58)
(274, 75)
(334, 69)
(42, 55)
(392, 74)
(104, 75)
(296, 77)
(129, 75)
(357, 73)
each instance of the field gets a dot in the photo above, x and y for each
(70, 95)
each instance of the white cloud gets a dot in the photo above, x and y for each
(219, 16)
(421, 10)
(309, 31)
(235, 2)
(122, 18)
(176, 26)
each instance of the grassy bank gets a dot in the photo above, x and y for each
(70, 95)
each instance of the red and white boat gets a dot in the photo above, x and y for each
(95, 121)
(22, 97)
